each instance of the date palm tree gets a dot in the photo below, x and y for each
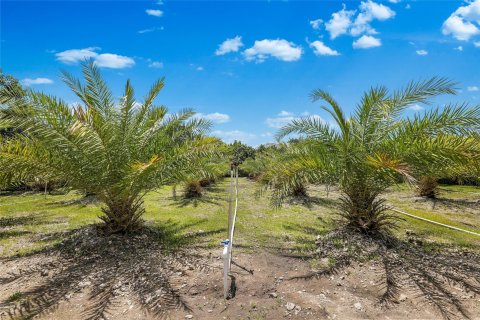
(119, 151)
(376, 146)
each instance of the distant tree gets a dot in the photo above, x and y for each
(240, 152)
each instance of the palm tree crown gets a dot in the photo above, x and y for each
(117, 151)
(376, 146)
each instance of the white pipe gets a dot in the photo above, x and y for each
(435, 222)
(226, 267)
(228, 243)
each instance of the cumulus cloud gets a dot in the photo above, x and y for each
(477, 44)
(229, 45)
(28, 82)
(284, 113)
(464, 23)
(154, 12)
(472, 88)
(345, 22)
(316, 23)
(156, 65)
(73, 56)
(230, 136)
(422, 52)
(340, 22)
(415, 107)
(103, 60)
(215, 117)
(365, 42)
(320, 49)
(286, 117)
(113, 61)
(370, 11)
(280, 49)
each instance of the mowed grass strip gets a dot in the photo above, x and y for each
(30, 222)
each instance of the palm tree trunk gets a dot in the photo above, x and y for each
(123, 215)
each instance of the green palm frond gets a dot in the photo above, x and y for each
(377, 145)
(117, 151)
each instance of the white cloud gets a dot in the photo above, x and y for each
(370, 11)
(320, 49)
(75, 55)
(284, 113)
(316, 23)
(339, 23)
(113, 61)
(422, 52)
(215, 117)
(286, 117)
(103, 60)
(459, 48)
(279, 48)
(464, 23)
(473, 88)
(150, 30)
(394, 1)
(408, 6)
(156, 64)
(342, 21)
(199, 68)
(477, 44)
(230, 136)
(416, 107)
(365, 42)
(28, 82)
(229, 45)
(154, 12)
(279, 122)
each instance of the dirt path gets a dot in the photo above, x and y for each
(353, 293)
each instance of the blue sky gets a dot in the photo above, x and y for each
(248, 66)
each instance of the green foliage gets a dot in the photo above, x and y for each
(255, 168)
(239, 152)
(118, 151)
(15, 297)
(10, 91)
(376, 146)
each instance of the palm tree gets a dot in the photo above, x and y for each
(207, 173)
(376, 146)
(117, 151)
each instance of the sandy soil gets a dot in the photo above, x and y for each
(352, 293)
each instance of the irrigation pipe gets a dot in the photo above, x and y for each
(435, 222)
(228, 243)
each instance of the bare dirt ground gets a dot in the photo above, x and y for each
(82, 281)
(171, 271)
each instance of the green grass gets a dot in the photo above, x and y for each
(15, 297)
(32, 221)
(455, 206)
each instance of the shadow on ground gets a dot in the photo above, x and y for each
(458, 204)
(147, 266)
(434, 273)
(311, 201)
(212, 195)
